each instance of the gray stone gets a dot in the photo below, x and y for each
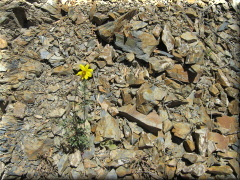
(196, 55)
(56, 60)
(111, 175)
(195, 169)
(44, 54)
(90, 173)
(53, 8)
(136, 25)
(75, 158)
(2, 168)
(106, 31)
(201, 140)
(99, 18)
(140, 43)
(63, 164)
(167, 38)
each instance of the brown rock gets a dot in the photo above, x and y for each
(124, 154)
(63, 70)
(3, 43)
(122, 171)
(191, 13)
(56, 113)
(204, 117)
(127, 98)
(157, 30)
(172, 100)
(144, 99)
(107, 54)
(89, 163)
(108, 127)
(170, 171)
(93, 10)
(32, 66)
(227, 124)
(189, 145)
(172, 162)
(167, 125)
(232, 92)
(233, 138)
(215, 58)
(172, 83)
(19, 110)
(161, 63)
(101, 64)
(53, 88)
(228, 154)
(92, 56)
(151, 122)
(222, 79)
(179, 73)
(193, 158)
(113, 111)
(133, 81)
(233, 107)
(99, 18)
(33, 147)
(235, 166)
(19, 41)
(223, 170)
(181, 129)
(189, 37)
(28, 97)
(220, 141)
(102, 80)
(130, 56)
(197, 71)
(191, 1)
(146, 140)
(214, 90)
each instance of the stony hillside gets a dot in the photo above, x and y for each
(162, 103)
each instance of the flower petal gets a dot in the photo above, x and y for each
(89, 74)
(79, 73)
(81, 67)
(90, 70)
(86, 76)
(86, 67)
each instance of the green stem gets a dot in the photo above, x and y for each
(84, 100)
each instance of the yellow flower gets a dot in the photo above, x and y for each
(86, 72)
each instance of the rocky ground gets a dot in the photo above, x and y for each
(163, 99)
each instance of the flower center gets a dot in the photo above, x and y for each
(83, 73)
